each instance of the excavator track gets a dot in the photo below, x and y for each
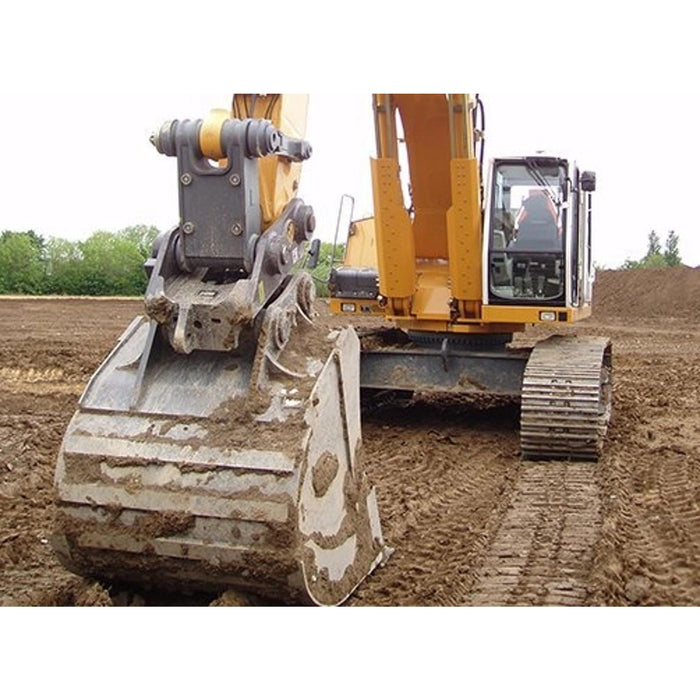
(566, 398)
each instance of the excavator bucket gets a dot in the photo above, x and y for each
(189, 472)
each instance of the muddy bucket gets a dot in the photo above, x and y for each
(175, 474)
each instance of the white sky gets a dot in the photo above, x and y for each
(82, 90)
(90, 166)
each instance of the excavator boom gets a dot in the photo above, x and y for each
(427, 271)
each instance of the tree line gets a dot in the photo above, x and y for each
(105, 264)
(655, 256)
(111, 263)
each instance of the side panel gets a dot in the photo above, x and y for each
(464, 231)
(361, 247)
(396, 257)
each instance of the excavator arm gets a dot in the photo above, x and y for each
(238, 227)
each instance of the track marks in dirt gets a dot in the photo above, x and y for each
(51, 380)
(28, 445)
(646, 555)
(447, 477)
(649, 553)
(471, 523)
(48, 349)
(541, 553)
(447, 480)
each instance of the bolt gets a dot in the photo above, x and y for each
(188, 227)
(186, 179)
(235, 179)
(236, 229)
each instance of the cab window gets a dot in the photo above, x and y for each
(528, 224)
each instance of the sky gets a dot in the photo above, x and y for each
(83, 87)
(91, 166)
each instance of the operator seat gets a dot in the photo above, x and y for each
(537, 224)
(537, 231)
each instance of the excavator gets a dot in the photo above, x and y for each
(219, 445)
(457, 262)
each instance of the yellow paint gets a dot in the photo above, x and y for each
(531, 314)
(279, 177)
(461, 126)
(424, 119)
(445, 219)
(431, 301)
(361, 247)
(396, 258)
(464, 232)
(210, 134)
(429, 259)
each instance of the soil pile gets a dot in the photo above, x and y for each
(669, 292)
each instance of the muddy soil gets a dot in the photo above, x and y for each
(471, 523)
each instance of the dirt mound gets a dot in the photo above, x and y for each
(670, 292)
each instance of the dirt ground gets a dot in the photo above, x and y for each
(470, 522)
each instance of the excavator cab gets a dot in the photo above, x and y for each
(537, 215)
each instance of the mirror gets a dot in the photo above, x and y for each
(588, 181)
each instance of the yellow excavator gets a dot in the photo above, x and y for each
(457, 262)
(219, 444)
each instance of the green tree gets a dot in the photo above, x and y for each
(63, 266)
(654, 258)
(21, 263)
(111, 265)
(671, 253)
(141, 236)
(105, 264)
(653, 245)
